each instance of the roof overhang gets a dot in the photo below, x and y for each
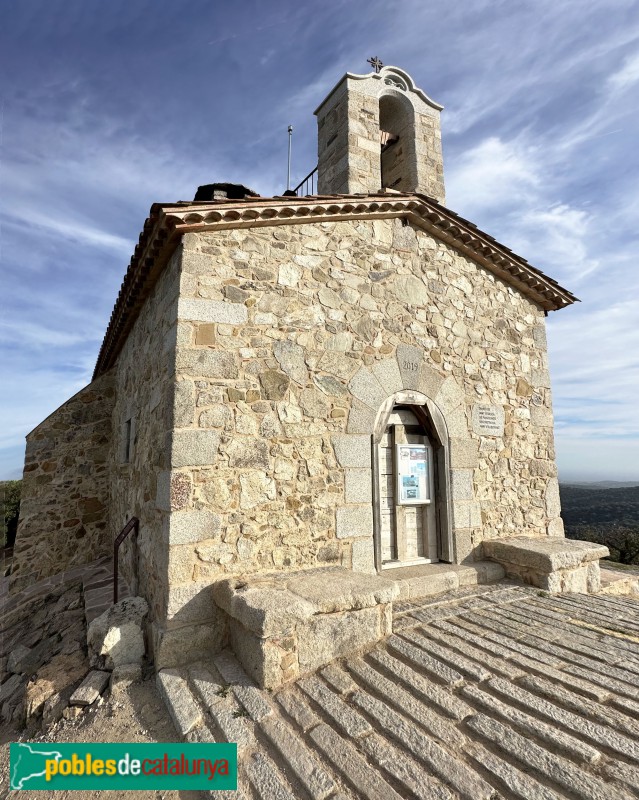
(167, 223)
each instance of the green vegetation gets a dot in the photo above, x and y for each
(605, 516)
(10, 497)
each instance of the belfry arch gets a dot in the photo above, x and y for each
(398, 160)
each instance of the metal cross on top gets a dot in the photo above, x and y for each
(375, 63)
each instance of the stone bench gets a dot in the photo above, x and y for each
(285, 625)
(551, 563)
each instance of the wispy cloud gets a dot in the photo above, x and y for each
(627, 76)
(72, 230)
(104, 115)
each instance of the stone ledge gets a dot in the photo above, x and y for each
(616, 582)
(285, 625)
(552, 563)
(546, 555)
(270, 604)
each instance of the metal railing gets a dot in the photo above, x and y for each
(309, 181)
(132, 525)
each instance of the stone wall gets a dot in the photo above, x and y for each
(290, 338)
(64, 509)
(144, 376)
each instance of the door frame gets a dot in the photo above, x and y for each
(432, 420)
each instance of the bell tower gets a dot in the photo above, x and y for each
(379, 131)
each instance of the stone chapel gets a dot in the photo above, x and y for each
(353, 379)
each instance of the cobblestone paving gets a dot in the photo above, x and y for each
(493, 692)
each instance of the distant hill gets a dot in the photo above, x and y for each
(601, 484)
(10, 501)
(606, 515)
(596, 506)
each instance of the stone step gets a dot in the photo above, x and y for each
(420, 686)
(614, 718)
(616, 582)
(229, 721)
(601, 735)
(422, 661)
(266, 780)
(343, 716)
(517, 783)
(467, 667)
(426, 580)
(460, 643)
(438, 759)
(404, 769)
(593, 618)
(299, 757)
(183, 709)
(547, 764)
(450, 599)
(351, 765)
(375, 683)
(612, 615)
(559, 741)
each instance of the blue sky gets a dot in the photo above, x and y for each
(109, 107)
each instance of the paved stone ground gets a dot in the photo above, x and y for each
(491, 692)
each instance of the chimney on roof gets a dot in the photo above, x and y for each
(223, 191)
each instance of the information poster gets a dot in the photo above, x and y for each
(413, 474)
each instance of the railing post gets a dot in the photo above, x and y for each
(310, 177)
(132, 525)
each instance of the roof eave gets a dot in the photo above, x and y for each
(168, 222)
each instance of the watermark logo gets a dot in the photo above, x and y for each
(35, 766)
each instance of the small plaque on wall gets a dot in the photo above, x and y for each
(414, 465)
(488, 420)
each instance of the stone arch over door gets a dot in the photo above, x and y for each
(371, 389)
(432, 421)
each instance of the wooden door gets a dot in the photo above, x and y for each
(407, 533)
(387, 497)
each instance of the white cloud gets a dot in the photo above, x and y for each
(625, 77)
(561, 240)
(513, 183)
(73, 230)
(494, 174)
(595, 368)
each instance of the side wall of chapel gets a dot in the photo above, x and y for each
(64, 508)
(143, 413)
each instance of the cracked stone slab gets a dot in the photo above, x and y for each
(90, 688)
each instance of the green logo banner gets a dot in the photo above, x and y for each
(36, 765)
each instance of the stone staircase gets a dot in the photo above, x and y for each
(483, 693)
(97, 588)
(425, 580)
(42, 639)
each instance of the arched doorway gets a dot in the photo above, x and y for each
(412, 520)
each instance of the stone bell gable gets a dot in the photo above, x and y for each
(379, 131)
